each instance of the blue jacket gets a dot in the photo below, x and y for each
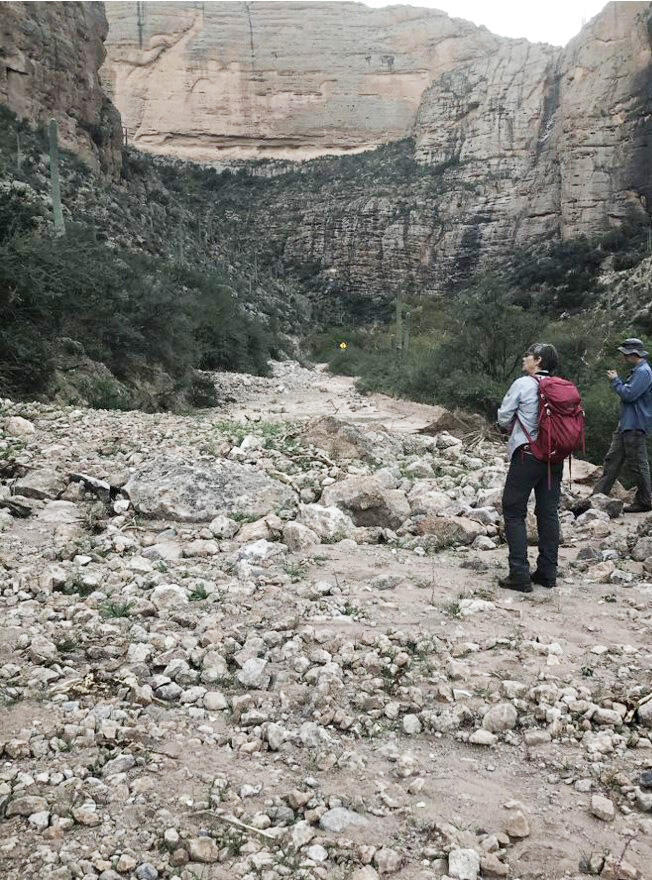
(636, 397)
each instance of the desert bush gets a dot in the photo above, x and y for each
(107, 393)
(465, 352)
(125, 309)
(568, 270)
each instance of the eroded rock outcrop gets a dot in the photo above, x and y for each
(50, 54)
(284, 80)
(556, 141)
(515, 143)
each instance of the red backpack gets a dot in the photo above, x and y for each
(561, 420)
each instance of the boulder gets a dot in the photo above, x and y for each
(582, 472)
(43, 483)
(644, 712)
(16, 426)
(254, 531)
(425, 498)
(642, 549)
(368, 502)
(463, 864)
(254, 673)
(450, 530)
(298, 537)
(613, 507)
(203, 850)
(261, 551)
(345, 440)
(339, 818)
(602, 808)
(500, 717)
(186, 492)
(327, 522)
(168, 596)
(223, 527)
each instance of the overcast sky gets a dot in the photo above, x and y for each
(552, 21)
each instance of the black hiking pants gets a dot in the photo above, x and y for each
(525, 474)
(627, 448)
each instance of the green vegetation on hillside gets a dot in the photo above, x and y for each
(179, 267)
(122, 316)
(464, 353)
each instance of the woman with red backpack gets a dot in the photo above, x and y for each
(546, 421)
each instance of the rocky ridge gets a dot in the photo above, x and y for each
(51, 54)
(321, 681)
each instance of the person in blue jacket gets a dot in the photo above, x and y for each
(629, 442)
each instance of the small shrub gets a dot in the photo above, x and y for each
(116, 610)
(106, 393)
(202, 392)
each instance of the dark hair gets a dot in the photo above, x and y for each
(548, 355)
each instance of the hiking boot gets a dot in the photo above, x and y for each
(637, 507)
(538, 578)
(512, 582)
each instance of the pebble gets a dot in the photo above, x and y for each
(602, 808)
(463, 864)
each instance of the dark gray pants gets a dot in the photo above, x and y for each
(627, 448)
(525, 474)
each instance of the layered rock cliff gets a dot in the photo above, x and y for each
(205, 81)
(50, 54)
(516, 143)
(559, 141)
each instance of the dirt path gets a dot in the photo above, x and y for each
(299, 393)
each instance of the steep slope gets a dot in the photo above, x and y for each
(50, 54)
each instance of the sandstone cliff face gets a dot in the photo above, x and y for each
(603, 127)
(561, 141)
(529, 144)
(486, 125)
(50, 54)
(518, 142)
(206, 81)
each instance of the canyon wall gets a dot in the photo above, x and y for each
(518, 143)
(205, 81)
(50, 54)
(485, 145)
(555, 140)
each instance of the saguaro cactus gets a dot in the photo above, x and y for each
(399, 323)
(57, 208)
(406, 332)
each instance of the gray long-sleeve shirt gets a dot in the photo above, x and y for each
(522, 399)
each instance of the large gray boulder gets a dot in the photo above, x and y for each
(329, 523)
(425, 497)
(368, 502)
(43, 483)
(169, 489)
